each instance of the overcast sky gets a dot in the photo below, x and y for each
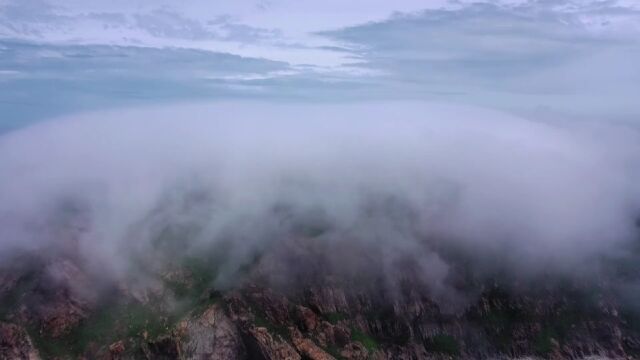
(539, 56)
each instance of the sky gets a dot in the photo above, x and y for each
(531, 57)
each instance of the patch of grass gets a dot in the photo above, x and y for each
(386, 314)
(335, 317)
(543, 344)
(444, 344)
(261, 320)
(205, 301)
(49, 348)
(334, 351)
(203, 271)
(564, 321)
(111, 322)
(194, 294)
(500, 322)
(145, 319)
(560, 323)
(117, 319)
(367, 341)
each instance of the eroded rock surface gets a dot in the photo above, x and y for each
(53, 311)
(15, 343)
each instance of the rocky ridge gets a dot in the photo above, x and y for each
(50, 314)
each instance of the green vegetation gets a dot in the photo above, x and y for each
(573, 308)
(111, 322)
(334, 351)
(194, 294)
(367, 341)
(444, 344)
(261, 320)
(500, 322)
(118, 320)
(335, 317)
(543, 343)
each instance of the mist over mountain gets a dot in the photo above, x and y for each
(281, 179)
(408, 179)
(393, 199)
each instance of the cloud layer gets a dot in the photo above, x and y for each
(562, 58)
(575, 58)
(411, 180)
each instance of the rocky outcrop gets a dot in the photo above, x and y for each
(268, 346)
(354, 351)
(211, 335)
(181, 318)
(307, 348)
(15, 343)
(499, 325)
(62, 298)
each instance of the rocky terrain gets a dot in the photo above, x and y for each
(302, 297)
(52, 310)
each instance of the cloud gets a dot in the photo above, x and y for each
(411, 181)
(533, 58)
(167, 23)
(41, 80)
(36, 17)
(404, 183)
(233, 31)
(29, 17)
(558, 54)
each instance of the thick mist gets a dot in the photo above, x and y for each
(408, 182)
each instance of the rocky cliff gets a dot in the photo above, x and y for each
(51, 309)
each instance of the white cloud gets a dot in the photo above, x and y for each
(537, 53)
(407, 177)
(566, 56)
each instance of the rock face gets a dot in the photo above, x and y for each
(497, 326)
(15, 343)
(60, 299)
(308, 348)
(264, 345)
(51, 306)
(212, 335)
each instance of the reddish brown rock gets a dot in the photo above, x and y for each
(307, 317)
(271, 348)
(307, 347)
(211, 335)
(15, 343)
(354, 351)
(63, 297)
(117, 348)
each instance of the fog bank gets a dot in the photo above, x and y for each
(411, 180)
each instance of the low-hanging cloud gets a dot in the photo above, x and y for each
(406, 179)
